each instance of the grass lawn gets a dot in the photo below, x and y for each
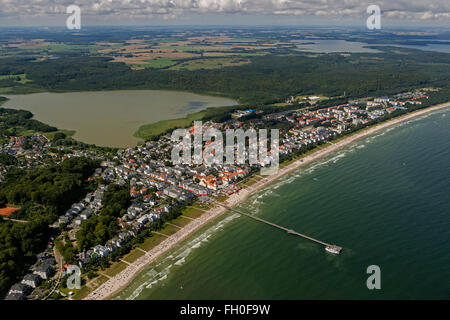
(151, 242)
(180, 221)
(26, 133)
(115, 268)
(199, 206)
(150, 130)
(251, 182)
(82, 293)
(221, 198)
(169, 230)
(133, 256)
(85, 290)
(192, 213)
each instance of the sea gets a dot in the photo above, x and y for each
(384, 199)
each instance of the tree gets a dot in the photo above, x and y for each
(59, 136)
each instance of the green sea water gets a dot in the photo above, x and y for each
(384, 199)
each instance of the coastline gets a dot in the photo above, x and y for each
(121, 280)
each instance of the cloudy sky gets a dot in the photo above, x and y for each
(198, 12)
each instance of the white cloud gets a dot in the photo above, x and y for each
(395, 9)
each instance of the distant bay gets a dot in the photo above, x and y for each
(344, 46)
(109, 118)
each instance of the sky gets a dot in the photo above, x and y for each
(225, 12)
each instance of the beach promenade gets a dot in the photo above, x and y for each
(121, 280)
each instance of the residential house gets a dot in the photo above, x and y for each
(20, 288)
(44, 271)
(32, 280)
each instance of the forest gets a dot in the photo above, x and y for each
(19, 244)
(266, 79)
(12, 121)
(52, 188)
(42, 195)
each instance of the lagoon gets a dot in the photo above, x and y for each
(109, 118)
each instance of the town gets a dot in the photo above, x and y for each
(158, 187)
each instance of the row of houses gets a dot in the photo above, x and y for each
(31, 281)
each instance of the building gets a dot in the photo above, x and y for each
(44, 271)
(101, 251)
(32, 280)
(15, 296)
(382, 99)
(20, 288)
(86, 214)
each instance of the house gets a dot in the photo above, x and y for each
(124, 236)
(32, 280)
(78, 206)
(86, 214)
(132, 212)
(101, 251)
(84, 261)
(44, 271)
(41, 256)
(15, 296)
(143, 219)
(63, 220)
(173, 192)
(118, 242)
(382, 99)
(20, 288)
(88, 197)
(111, 247)
(72, 212)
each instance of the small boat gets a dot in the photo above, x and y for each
(333, 249)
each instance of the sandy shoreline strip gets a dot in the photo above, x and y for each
(121, 280)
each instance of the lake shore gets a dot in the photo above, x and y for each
(110, 118)
(121, 280)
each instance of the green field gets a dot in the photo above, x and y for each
(188, 48)
(210, 64)
(150, 130)
(115, 268)
(22, 78)
(169, 230)
(192, 213)
(181, 221)
(68, 133)
(151, 242)
(157, 63)
(133, 256)
(61, 47)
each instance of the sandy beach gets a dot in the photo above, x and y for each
(121, 280)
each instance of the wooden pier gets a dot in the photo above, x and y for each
(290, 231)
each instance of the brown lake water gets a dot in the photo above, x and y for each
(109, 118)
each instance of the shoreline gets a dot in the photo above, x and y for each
(117, 283)
(45, 107)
